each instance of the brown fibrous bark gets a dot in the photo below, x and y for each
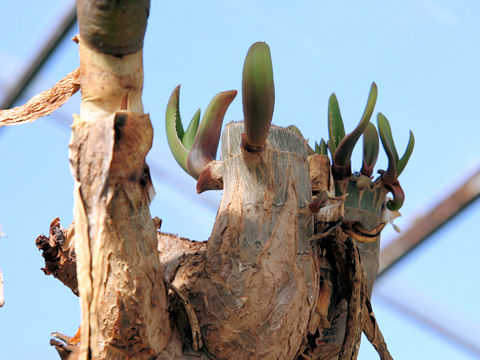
(44, 103)
(200, 309)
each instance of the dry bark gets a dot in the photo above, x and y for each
(251, 280)
(44, 103)
(123, 301)
(274, 281)
(255, 286)
(58, 250)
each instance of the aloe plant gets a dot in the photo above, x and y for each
(291, 221)
(258, 92)
(396, 165)
(197, 146)
(341, 147)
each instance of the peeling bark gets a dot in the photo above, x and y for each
(58, 250)
(284, 275)
(268, 284)
(44, 103)
(122, 295)
(255, 286)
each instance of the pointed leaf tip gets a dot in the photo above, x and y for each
(401, 163)
(370, 149)
(321, 148)
(336, 129)
(342, 154)
(189, 136)
(204, 148)
(389, 176)
(174, 129)
(258, 92)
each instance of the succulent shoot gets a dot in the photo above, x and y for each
(204, 148)
(258, 93)
(344, 145)
(174, 129)
(189, 136)
(341, 147)
(396, 165)
(370, 150)
(321, 148)
(194, 148)
(336, 130)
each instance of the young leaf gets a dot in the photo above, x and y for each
(370, 149)
(322, 148)
(406, 156)
(204, 148)
(258, 93)
(343, 152)
(398, 196)
(189, 136)
(336, 129)
(174, 129)
(390, 176)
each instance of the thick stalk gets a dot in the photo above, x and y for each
(122, 294)
(255, 288)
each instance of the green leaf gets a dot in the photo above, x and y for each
(258, 92)
(387, 141)
(343, 152)
(336, 129)
(322, 148)
(370, 149)
(174, 129)
(189, 136)
(398, 196)
(204, 148)
(406, 156)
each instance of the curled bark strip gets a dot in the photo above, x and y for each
(59, 254)
(360, 317)
(352, 279)
(372, 331)
(44, 103)
(192, 317)
(64, 345)
(210, 178)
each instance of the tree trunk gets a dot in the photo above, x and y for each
(120, 281)
(255, 287)
(268, 284)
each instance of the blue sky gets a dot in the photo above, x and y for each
(423, 55)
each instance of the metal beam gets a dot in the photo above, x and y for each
(431, 222)
(447, 332)
(65, 24)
